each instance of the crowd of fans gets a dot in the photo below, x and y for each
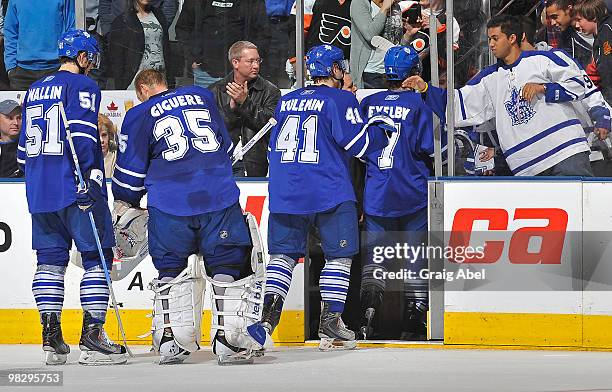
(191, 42)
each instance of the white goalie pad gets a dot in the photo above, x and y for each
(132, 245)
(238, 310)
(178, 305)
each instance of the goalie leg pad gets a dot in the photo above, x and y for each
(178, 307)
(236, 306)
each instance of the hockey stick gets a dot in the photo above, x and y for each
(239, 154)
(109, 282)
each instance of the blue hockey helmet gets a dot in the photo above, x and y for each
(74, 41)
(320, 60)
(400, 61)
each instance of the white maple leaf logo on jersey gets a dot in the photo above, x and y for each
(334, 28)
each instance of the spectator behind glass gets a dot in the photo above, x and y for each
(577, 44)
(108, 140)
(139, 40)
(246, 102)
(10, 124)
(325, 22)
(593, 17)
(370, 18)
(207, 28)
(31, 31)
(109, 10)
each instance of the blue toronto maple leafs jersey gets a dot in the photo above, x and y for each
(43, 149)
(175, 148)
(396, 177)
(318, 129)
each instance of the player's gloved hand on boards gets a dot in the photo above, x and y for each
(87, 196)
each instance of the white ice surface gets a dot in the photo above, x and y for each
(307, 369)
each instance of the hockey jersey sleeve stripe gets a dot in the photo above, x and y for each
(365, 147)
(540, 136)
(577, 80)
(130, 173)
(591, 93)
(548, 154)
(463, 115)
(21, 148)
(80, 134)
(126, 186)
(21, 161)
(86, 123)
(356, 138)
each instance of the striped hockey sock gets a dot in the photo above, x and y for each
(94, 294)
(334, 283)
(278, 275)
(48, 288)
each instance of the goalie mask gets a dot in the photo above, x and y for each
(132, 246)
(132, 240)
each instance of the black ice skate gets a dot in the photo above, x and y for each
(56, 350)
(270, 318)
(170, 352)
(96, 347)
(272, 313)
(371, 299)
(332, 331)
(414, 325)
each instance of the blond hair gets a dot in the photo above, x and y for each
(235, 51)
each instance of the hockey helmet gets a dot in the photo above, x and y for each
(74, 41)
(400, 61)
(320, 60)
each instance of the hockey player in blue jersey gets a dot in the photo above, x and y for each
(395, 197)
(175, 148)
(319, 128)
(60, 210)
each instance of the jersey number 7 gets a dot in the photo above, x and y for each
(385, 160)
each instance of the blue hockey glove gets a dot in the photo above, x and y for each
(86, 197)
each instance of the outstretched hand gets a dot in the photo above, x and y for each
(415, 82)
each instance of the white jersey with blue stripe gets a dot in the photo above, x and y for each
(43, 149)
(534, 136)
(318, 129)
(175, 147)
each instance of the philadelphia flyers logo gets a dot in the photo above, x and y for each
(335, 29)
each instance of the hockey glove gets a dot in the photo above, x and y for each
(92, 191)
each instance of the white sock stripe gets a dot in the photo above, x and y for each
(331, 297)
(282, 278)
(333, 278)
(275, 290)
(337, 267)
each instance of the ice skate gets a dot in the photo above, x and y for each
(333, 333)
(228, 354)
(56, 350)
(96, 347)
(371, 299)
(170, 352)
(414, 325)
(272, 313)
